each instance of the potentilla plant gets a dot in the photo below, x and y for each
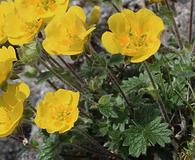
(115, 91)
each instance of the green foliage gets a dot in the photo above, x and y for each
(134, 83)
(29, 53)
(51, 148)
(137, 138)
(44, 76)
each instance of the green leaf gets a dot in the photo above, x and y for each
(96, 83)
(105, 99)
(135, 83)
(136, 141)
(107, 111)
(51, 148)
(44, 76)
(157, 132)
(137, 138)
(29, 53)
(116, 59)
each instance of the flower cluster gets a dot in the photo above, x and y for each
(41, 9)
(65, 31)
(14, 27)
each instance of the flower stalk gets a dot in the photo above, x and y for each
(48, 81)
(100, 147)
(177, 33)
(71, 70)
(79, 80)
(159, 99)
(58, 75)
(114, 80)
(191, 21)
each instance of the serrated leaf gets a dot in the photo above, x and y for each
(50, 149)
(157, 132)
(105, 99)
(135, 83)
(136, 141)
(138, 137)
(107, 111)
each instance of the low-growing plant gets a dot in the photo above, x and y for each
(115, 91)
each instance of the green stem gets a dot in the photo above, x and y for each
(87, 149)
(58, 75)
(191, 21)
(114, 80)
(48, 81)
(96, 143)
(115, 6)
(159, 99)
(50, 59)
(181, 46)
(71, 70)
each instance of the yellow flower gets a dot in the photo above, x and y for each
(67, 33)
(14, 27)
(58, 111)
(6, 7)
(95, 15)
(11, 107)
(19, 31)
(36, 9)
(134, 34)
(7, 56)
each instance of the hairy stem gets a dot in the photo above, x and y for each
(177, 34)
(48, 81)
(115, 6)
(71, 70)
(159, 99)
(79, 80)
(99, 146)
(58, 75)
(115, 81)
(191, 21)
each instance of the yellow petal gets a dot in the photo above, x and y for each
(70, 36)
(24, 89)
(117, 23)
(58, 111)
(78, 11)
(147, 52)
(110, 43)
(149, 22)
(85, 34)
(12, 53)
(11, 109)
(95, 15)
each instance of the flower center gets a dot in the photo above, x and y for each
(137, 41)
(46, 5)
(31, 28)
(60, 113)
